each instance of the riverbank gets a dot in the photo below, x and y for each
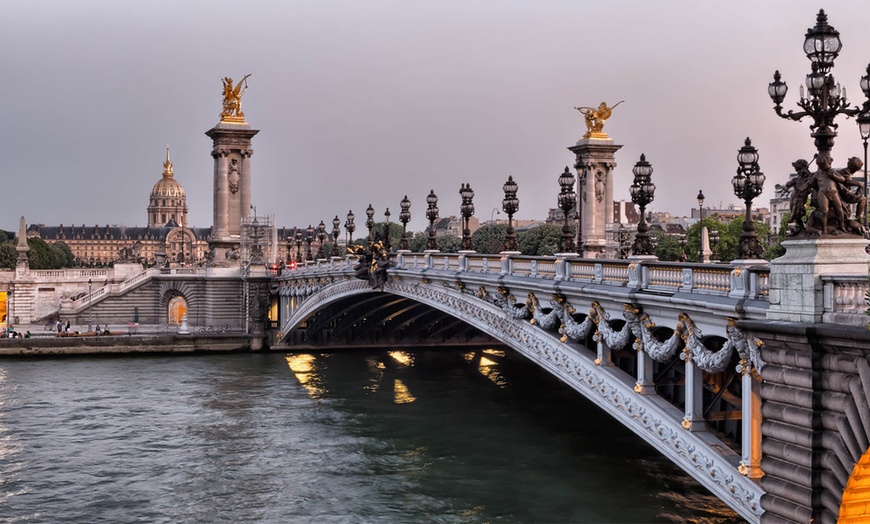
(126, 344)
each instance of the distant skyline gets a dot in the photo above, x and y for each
(364, 102)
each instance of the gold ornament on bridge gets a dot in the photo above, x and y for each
(233, 100)
(595, 118)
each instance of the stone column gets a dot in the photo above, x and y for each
(232, 188)
(595, 162)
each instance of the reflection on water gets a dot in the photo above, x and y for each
(447, 436)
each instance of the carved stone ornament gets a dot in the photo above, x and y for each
(233, 176)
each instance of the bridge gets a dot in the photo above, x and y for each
(682, 354)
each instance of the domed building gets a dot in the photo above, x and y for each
(168, 201)
(166, 240)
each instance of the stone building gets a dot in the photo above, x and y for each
(166, 239)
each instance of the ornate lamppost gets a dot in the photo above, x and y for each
(864, 128)
(370, 221)
(566, 201)
(335, 232)
(349, 228)
(826, 99)
(309, 239)
(701, 226)
(467, 210)
(321, 236)
(298, 235)
(642, 194)
(387, 244)
(714, 245)
(510, 205)
(90, 298)
(432, 216)
(404, 217)
(748, 184)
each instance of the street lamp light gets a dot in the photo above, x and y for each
(90, 298)
(510, 205)
(336, 222)
(370, 220)
(566, 201)
(432, 216)
(467, 210)
(321, 236)
(387, 243)
(714, 245)
(642, 194)
(701, 226)
(298, 236)
(864, 128)
(748, 184)
(404, 217)
(309, 239)
(826, 98)
(349, 228)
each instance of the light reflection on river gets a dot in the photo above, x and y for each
(444, 436)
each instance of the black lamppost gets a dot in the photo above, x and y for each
(748, 184)
(387, 244)
(566, 201)
(298, 236)
(321, 236)
(370, 220)
(349, 228)
(642, 193)
(309, 239)
(404, 217)
(466, 209)
(510, 205)
(864, 128)
(432, 216)
(826, 99)
(714, 245)
(335, 232)
(701, 226)
(90, 298)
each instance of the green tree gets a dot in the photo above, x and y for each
(668, 248)
(489, 238)
(449, 243)
(541, 240)
(69, 258)
(419, 242)
(8, 255)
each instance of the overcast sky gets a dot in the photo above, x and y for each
(361, 102)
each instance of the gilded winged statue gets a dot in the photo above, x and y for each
(595, 118)
(233, 98)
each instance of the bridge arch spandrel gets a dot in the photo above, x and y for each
(699, 453)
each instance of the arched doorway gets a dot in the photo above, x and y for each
(855, 506)
(176, 310)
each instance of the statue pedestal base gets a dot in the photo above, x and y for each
(796, 293)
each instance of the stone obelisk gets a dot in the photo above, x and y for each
(594, 163)
(232, 175)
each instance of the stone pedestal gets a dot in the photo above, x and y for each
(595, 162)
(796, 293)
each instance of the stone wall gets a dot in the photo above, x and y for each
(816, 416)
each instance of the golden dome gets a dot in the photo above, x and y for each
(167, 186)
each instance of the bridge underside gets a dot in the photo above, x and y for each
(379, 320)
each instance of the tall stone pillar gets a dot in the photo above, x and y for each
(232, 187)
(595, 162)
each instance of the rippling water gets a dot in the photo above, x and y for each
(446, 436)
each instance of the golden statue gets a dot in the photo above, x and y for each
(233, 100)
(595, 119)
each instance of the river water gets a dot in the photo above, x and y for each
(442, 436)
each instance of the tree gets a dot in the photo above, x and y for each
(668, 248)
(449, 243)
(489, 238)
(541, 240)
(419, 242)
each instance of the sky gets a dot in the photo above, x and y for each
(362, 102)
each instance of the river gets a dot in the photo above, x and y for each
(442, 436)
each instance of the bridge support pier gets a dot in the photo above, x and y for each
(644, 385)
(694, 401)
(750, 461)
